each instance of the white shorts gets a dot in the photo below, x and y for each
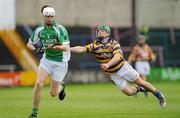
(142, 67)
(57, 70)
(126, 73)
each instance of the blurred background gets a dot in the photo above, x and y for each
(158, 20)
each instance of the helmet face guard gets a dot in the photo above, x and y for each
(103, 27)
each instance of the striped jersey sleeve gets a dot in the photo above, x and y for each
(88, 48)
(117, 49)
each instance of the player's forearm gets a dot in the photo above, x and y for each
(62, 47)
(31, 46)
(77, 49)
(115, 59)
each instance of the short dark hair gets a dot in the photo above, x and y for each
(44, 7)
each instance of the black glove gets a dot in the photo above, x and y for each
(38, 50)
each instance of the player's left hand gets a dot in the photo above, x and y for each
(39, 50)
(104, 66)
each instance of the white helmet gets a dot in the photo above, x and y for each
(49, 11)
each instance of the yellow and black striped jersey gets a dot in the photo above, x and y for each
(104, 52)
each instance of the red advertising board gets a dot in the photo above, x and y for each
(9, 78)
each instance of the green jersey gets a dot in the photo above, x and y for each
(57, 34)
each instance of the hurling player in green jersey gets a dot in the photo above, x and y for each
(55, 48)
(110, 57)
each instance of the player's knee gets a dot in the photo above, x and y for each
(129, 92)
(39, 83)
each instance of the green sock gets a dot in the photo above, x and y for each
(35, 111)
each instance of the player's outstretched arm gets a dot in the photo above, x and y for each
(77, 49)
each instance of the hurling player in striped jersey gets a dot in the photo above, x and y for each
(110, 57)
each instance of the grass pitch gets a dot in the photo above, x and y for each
(90, 101)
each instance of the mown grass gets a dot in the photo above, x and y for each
(91, 101)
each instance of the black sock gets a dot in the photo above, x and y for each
(138, 88)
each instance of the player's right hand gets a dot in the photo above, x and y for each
(39, 50)
(104, 66)
(51, 46)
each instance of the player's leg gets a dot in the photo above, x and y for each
(58, 75)
(151, 88)
(121, 77)
(41, 76)
(57, 88)
(130, 74)
(123, 85)
(148, 86)
(145, 79)
(54, 88)
(43, 70)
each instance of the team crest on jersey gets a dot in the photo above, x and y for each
(107, 54)
(106, 47)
